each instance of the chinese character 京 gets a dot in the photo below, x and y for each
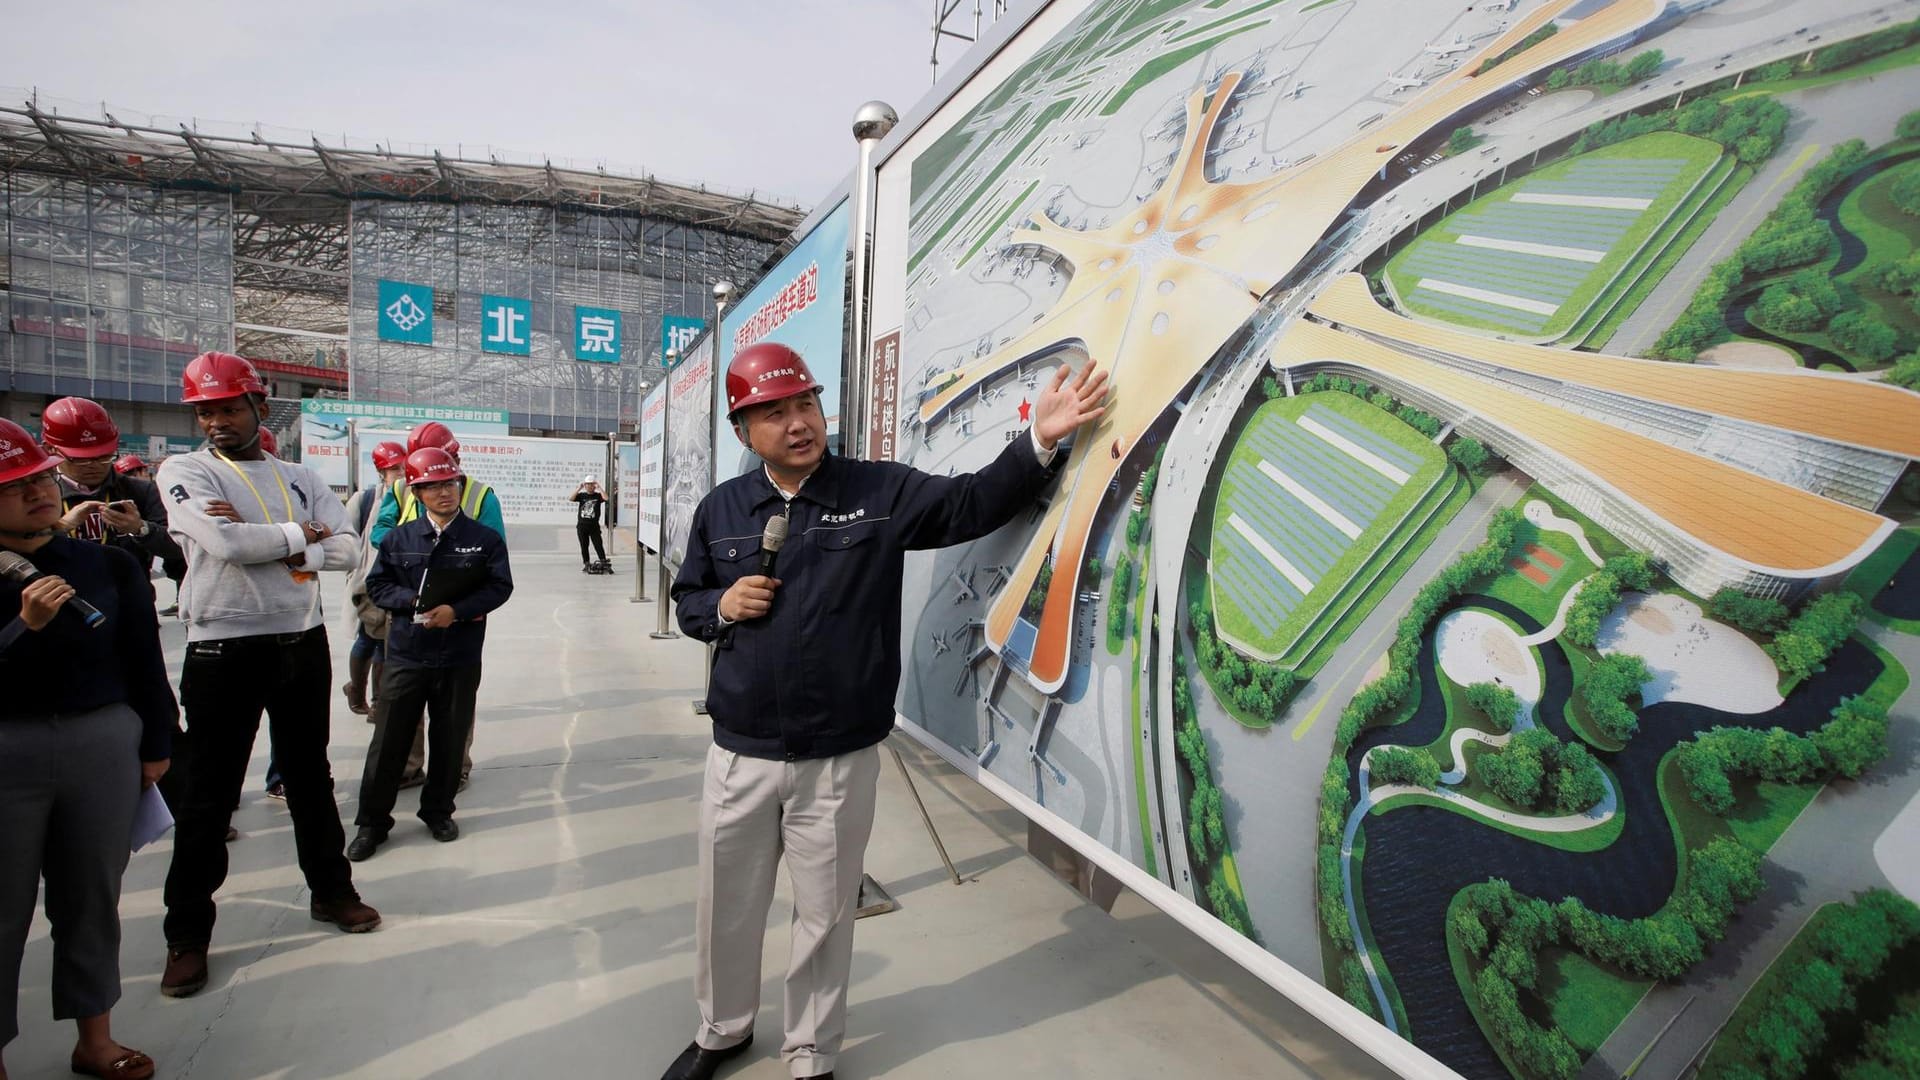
(596, 334)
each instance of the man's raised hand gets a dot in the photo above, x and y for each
(1067, 404)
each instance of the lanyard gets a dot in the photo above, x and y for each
(264, 509)
(301, 576)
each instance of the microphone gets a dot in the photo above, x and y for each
(771, 541)
(15, 568)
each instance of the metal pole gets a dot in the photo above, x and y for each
(722, 292)
(662, 632)
(353, 454)
(871, 123)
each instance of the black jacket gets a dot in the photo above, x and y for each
(157, 544)
(817, 675)
(66, 668)
(409, 552)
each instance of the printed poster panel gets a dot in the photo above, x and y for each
(653, 416)
(1390, 625)
(324, 423)
(800, 303)
(535, 478)
(886, 397)
(689, 448)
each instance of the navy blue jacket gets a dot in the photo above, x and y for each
(65, 668)
(409, 551)
(816, 676)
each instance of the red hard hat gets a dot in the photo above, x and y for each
(20, 455)
(433, 434)
(389, 455)
(268, 443)
(77, 428)
(431, 465)
(130, 463)
(768, 371)
(216, 376)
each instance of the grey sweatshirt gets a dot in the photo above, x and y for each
(236, 584)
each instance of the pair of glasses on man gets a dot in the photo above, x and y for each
(13, 489)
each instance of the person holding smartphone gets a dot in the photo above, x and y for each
(86, 723)
(439, 575)
(100, 503)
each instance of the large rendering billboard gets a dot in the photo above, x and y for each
(1492, 589)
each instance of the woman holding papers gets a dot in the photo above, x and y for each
(86, 723)
(439, 574)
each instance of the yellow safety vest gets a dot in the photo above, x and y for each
(472, 494)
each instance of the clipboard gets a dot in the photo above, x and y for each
(447, 584)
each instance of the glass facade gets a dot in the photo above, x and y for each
(106, 291)
(554, 260)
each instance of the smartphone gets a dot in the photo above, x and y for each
(125, 506)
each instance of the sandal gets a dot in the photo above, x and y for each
(130, 1065)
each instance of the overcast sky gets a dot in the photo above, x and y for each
(740, 94)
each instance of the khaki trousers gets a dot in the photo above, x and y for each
(819, 814)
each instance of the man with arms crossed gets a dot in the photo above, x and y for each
(255, 531)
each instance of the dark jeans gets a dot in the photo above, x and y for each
(447, 696)
(224, 687)
(364, 646)
(590, 530)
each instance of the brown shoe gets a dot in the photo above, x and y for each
(186, 971)
(350, 915)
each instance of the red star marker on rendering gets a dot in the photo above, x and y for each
(1026, 408)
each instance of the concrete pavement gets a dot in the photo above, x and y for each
(555, 936)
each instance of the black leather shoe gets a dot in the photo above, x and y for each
(444, 831)
(697, 1062)
(364, 844)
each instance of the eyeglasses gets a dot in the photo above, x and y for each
(14, 489)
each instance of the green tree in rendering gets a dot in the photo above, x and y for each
(1864, 335)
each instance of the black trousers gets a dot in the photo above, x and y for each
(446, 695)
(68, 789)
(224, 687)
(590, 530)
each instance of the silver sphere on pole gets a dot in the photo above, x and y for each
(722, 291)
(873, 120)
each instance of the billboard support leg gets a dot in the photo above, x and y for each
(925, 818)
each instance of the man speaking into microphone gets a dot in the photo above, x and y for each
(806, 665)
